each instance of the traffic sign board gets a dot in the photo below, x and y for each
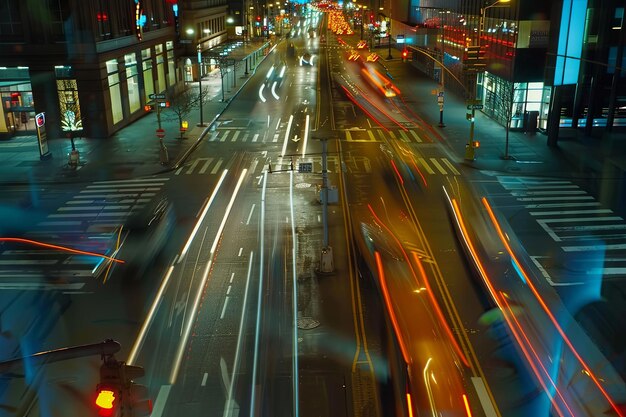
(475, 107)
(156, 96)
(305, 167)
(160, 133)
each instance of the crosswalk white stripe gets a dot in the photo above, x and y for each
(404, 137)
(428, 169)
(587, 228)
(392, 135)
(61, 223)
(192, 166)
(559, 205)
(579, 219)
(30, 261)
(178, 171)
(245, 137)
(348, 135)
(134, 180)
(450, 166)
(138, 190)
(371, 135)
(255, 137)
(275, 137)
(93, 208)
(437, 165)
(124, 186)
(236, 135)
(417, 138)
(556, 197)
(206, 165)
(530, 180)
(224, 136)
(567, 212)
(381, 134)
(586, 248)
(550, 192)
(113, 196)
(217, 166)
(78, 215)
(522, 186)
(38, 286)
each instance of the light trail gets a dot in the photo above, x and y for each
(257, 329)
(296, 379)
(58, 247)
(261, 93)
(306, 134)
(286, 141)
(201, 219)
(205, 277)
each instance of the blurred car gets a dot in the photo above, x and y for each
(147, 231)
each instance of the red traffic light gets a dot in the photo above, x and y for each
(105, 401)
(258, 18)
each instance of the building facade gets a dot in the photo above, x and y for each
(91, 65)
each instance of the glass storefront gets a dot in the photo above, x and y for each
(114, 91)
(148, 81)
(132, 81)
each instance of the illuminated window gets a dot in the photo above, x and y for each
(132, 81)
(114, 91)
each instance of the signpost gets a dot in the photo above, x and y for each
(305, 167)
(475, 107)
(156, 96)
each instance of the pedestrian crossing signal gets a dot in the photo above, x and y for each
(405, 53)
(476, 144)
(106, 401)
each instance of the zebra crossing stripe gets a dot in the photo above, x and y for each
(450, 166)
(93, 208)
(591, 248)
(191, 168)
(206, 165)
(245, 137)
(404, 137)
(224, 136)
(393, 135)
(558, 197)
(417, 138)
(381, 134)
(549, 192)
(371, 135)
(569, 212)
(428, 169)
(437, 165)
(348, 136)
(129, 181)
(217, 166)
(236, 135)
(275, 137)
(255, 137)
(560, 205)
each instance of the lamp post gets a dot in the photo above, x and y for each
(469, 148)
(200, 97)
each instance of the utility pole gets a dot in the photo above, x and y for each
(200, 96)
(326, 257)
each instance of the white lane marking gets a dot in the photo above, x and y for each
(287, 132)
(547, 276)
(428, 169)
(228, 289)
(250, 215)
(240, 250)
(161, 400)
(204, 378)
(578, 219)
(255, 137)
(236, 135)
(39, 286)
(224, 136)
(568, 212)
(206, 165)
(277, 124)
(224, 307)
(481, 390)
(556, 197)
(130, 180)
(232, 276)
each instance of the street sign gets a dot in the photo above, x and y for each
(156, 96)
(475, 107)
(305, 167)
(160, 133)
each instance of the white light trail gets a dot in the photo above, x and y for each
(287, 136)
(306, 135)
(261, 93)
(204, 212)
(274, 91)
(294, 356)
(205, 277)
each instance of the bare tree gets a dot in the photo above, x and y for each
(224, 64)
(183, 104)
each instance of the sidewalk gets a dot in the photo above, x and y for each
(575, 156)
(130, 153)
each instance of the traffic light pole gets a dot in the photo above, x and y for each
(108, 347)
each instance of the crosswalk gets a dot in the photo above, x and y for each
(89, 222)
(575, 220)
(243, 135)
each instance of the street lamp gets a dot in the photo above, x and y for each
(200, 97)
(469, 148)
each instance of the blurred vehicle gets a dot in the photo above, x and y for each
(147, 231)
(361, 44)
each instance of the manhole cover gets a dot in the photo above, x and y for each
(307, 323)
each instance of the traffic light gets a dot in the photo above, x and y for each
(474, 58)
(148, 108)
(117, 394)
(405, 54)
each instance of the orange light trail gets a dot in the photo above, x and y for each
(400, 125)
(392, 314)
(371, 116)
(419, 171)
(395, 168)
(440, 315)
(409, 406)
(61, 248)
(467, 406)
(545, 308)
(495, 295)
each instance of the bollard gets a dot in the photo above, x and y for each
(74, 159)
